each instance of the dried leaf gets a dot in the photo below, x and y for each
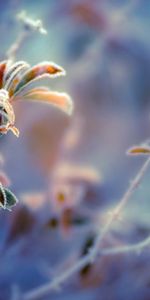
(2, 70)
(139, 150)
(5, 181)
(60, 100)
(42, 68)
(22, 223)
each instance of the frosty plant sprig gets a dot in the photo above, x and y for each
(28, 27)
(16, 81)
(16, 84)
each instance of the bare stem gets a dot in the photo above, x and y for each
(39, 292)
(138, 247)
(14, 48)
(116, 213)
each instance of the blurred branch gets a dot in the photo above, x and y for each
(39, 292)
(55, 284)
(29, 26)
(115, 214)
(138, 247)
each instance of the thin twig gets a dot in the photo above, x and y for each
(138, 247)
(116, 213)
(39, 292)
(29, 27)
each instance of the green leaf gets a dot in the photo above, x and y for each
(7, 198)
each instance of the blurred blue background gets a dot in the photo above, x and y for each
(104, 46)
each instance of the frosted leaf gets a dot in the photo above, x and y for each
(7, 198)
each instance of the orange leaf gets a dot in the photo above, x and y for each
(139, 150)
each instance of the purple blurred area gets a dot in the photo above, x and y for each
(68, 172)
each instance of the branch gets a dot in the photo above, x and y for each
(39, 292)
(138, 247)
(116, 213)
(29, 26)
